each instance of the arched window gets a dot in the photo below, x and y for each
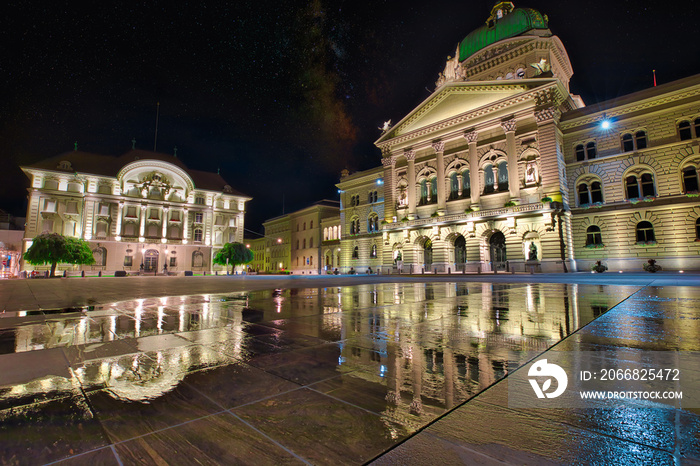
(591, 150)
(197, 259)
(311, 226)
(503, 176)
(454, 186)
(631, 187)
(466, 184)
(596, 192)
(697, 229)
(303, 243)
(696, 124)
(433, 190)
(684, 130)
(423, 192)
(373, 223)
(583, 197)
(100, 256)
(488, 179)
(627, 143)
(593, 236)
(373, 252)
(645, 232)
(580, 153)
(648, 185)
(311, 260)
(356, 252)
(640, 138)
(690, 180)
(311, 243)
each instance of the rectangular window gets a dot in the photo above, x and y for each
(153, 214)
(175, 216)
(131, 212)
(198, 217)
(217, 237)
(219, 220)
(173, 261)
(232, 223)
(101, 230)
(198, 236)
(128, 261)
(49, 205)
(104, 210)
(47, 225)
(129, 229)
(71, 207)
(199, 200)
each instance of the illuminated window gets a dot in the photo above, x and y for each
(373, 252)
(503, 176)
(198, 217)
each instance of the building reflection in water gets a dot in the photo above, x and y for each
(425, 348)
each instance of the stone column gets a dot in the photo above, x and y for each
(120, 212)
(509, 127)
(165, 225)
(472, 138)
(142, 227)
(411, 158)
(551, 160)
(185, 225)
(389, 164)
(440, 151)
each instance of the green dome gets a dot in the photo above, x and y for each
(518, 21)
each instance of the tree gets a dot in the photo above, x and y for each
(234, 254)
(52, 248)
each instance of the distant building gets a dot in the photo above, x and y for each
(11, 234)
(257, 247)
(502, 168)
(294, 241)
(139, 211)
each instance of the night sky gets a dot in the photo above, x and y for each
(281, 96)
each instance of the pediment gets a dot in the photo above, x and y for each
(455, 99)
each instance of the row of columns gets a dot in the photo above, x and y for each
(389, 163)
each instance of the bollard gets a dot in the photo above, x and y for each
(449, 270)
(82, 273)
(478, 269)
(205, 273)
(422, 270)
(435, 271)
(99, 274)
(65, 273)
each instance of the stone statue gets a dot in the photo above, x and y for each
(542, 66)
(533, 252)
(386, 127)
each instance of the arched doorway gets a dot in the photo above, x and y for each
(150, 260)
(428, 254)
(460, 252)
(497, 247)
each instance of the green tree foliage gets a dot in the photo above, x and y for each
(52, 248)
(236, 253)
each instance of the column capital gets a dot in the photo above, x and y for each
(439, 146)
(471, 136)
(509, 126)
(410, 155)
(389, 162)
(546, 115)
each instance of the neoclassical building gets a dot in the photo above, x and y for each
(502, 168)
(140, 211)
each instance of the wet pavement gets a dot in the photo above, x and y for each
(332, 374)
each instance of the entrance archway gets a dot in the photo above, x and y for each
(428, 254)
(460, 251)
(150, 260)
(497, 248)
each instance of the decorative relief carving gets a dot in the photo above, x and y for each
(509, 126)
(471, 136)
(409, 154)
(389, 162)
(439, 146)
(548, 114)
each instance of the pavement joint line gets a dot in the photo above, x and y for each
(116, 455)
(345, 402)
(291, 452)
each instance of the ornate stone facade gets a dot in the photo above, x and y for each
(506, 170)
(140, 212)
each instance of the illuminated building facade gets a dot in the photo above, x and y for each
(294, 240)
(142, 211)
(502, 168)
